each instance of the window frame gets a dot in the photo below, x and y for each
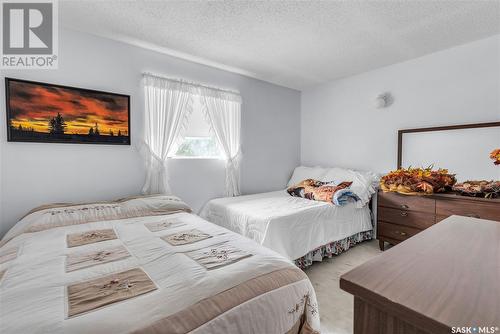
(174, 155)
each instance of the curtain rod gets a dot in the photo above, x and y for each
(191, 83)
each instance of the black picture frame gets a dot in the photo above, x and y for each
(15, 135)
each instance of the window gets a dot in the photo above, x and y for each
(197, 141)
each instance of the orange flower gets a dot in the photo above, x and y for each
(495, 156)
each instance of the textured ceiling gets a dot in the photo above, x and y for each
(292, 43)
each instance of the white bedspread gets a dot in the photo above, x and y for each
(291, 226)
(33, 288)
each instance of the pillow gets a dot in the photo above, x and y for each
(302, 173)
(363, 183)
(57, 215)
(338, 194)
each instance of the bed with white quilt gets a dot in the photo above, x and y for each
(145, 265)
(301, 229)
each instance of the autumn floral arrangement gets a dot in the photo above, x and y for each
(417, 181)
(495, 156)
(483, 188)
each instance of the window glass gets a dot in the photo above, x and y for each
(197, 141)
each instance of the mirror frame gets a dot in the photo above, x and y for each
(438, 128)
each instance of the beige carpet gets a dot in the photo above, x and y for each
(335, 305)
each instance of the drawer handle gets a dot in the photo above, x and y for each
(404, 214)
(473, 215)
(401, 233)
(404, 206)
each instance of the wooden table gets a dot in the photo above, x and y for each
(444, 277)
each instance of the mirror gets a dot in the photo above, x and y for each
(462, 149)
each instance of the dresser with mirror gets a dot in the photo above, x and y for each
(464, 151)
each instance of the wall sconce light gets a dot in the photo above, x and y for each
(383, 100)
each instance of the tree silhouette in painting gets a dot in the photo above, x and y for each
(57, 125)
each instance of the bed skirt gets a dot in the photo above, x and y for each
(331, 249)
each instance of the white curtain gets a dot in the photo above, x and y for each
(168, 106)
(223, 111)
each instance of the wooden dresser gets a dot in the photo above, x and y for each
(400, 217)
(442, 279)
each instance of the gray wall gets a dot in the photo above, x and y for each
(33, 174)
(340, 125)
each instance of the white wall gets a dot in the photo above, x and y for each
(32, 174)
(341, 127)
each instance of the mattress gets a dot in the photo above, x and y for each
(115, 269)
(291, 226)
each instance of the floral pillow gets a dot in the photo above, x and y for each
(338, 194)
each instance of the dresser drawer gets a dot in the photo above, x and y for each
(407, 202)
(477, 209)
(420, 220)
(396, 232)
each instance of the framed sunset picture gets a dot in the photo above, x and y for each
(47, 113)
